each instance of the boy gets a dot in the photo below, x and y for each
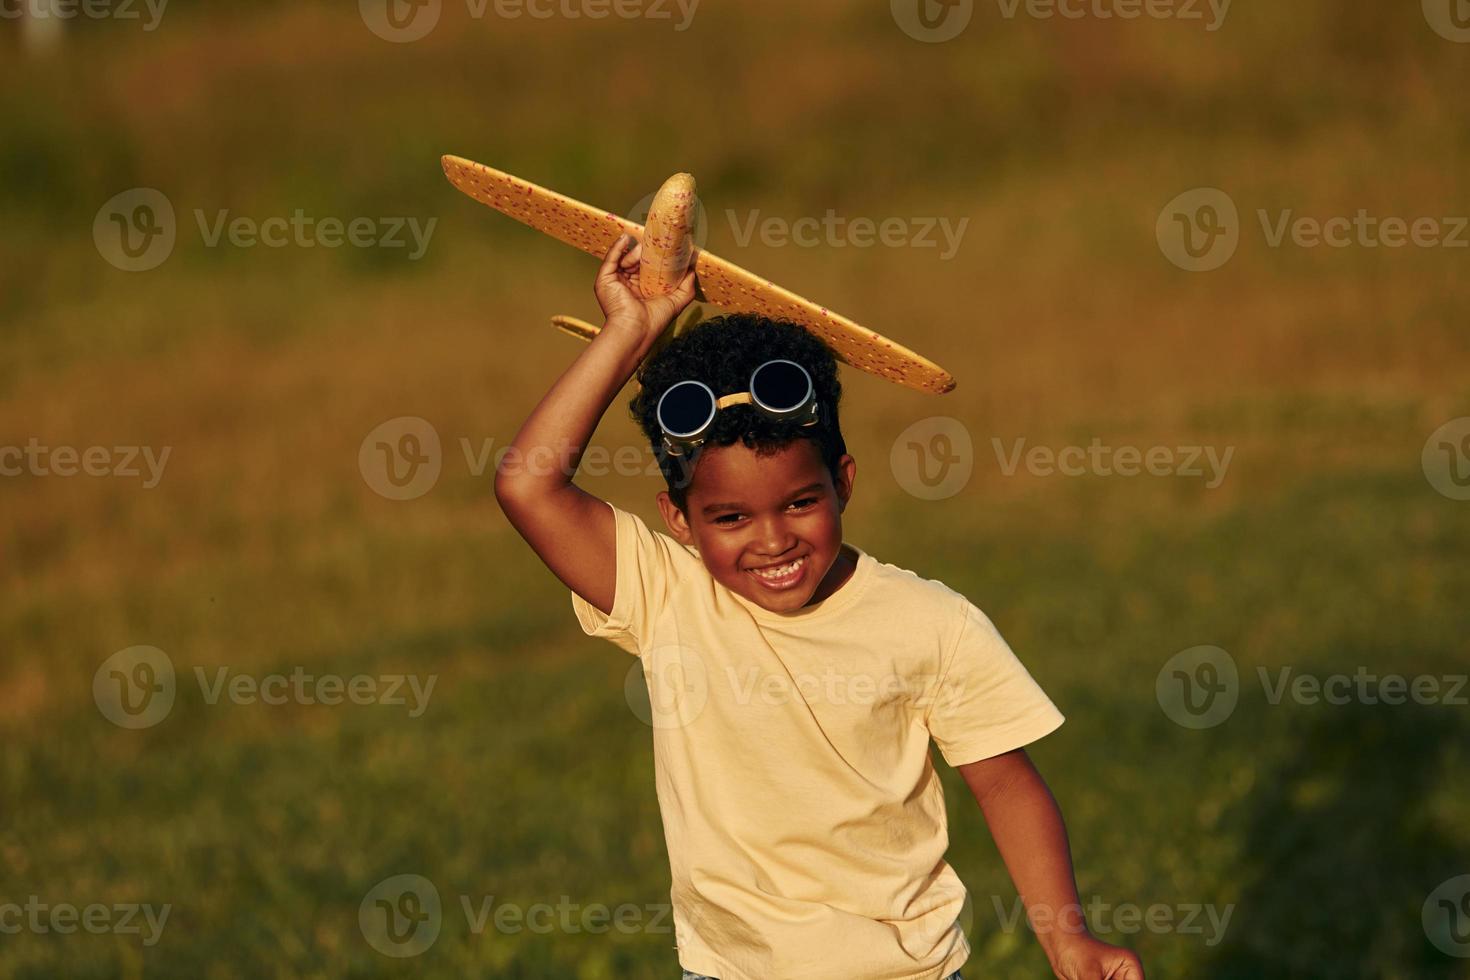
(805, 822)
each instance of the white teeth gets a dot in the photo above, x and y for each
(780, 571)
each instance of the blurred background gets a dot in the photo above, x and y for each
(199, 373)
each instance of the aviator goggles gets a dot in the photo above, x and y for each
(779, 389)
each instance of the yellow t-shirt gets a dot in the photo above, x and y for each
(804, 820)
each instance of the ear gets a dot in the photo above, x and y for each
(846, 474)
(675, 519)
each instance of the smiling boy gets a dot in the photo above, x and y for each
(805, 824)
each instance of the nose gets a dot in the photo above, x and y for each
(772, 537)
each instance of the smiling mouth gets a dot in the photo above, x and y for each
(781, 576)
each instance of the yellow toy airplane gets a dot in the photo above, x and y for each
(668, 251)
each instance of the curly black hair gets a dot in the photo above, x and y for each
(722, 352)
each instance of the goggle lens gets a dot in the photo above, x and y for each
(781, 386)
(685, 408)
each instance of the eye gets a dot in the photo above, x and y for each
(804, 502)
(727, 518)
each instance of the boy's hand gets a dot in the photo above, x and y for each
(1084, 958)
(622, 300)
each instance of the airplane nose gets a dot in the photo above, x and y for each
(668, 242)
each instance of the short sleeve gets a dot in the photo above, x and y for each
(985, 702)
(646, 567)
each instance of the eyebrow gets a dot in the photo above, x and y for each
(711, 508)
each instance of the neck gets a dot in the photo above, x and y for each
(836, 576)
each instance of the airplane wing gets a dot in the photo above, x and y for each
(721, 282)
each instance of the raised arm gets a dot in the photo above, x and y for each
(1027, 826)
(571, 530)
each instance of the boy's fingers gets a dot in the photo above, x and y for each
(684, 293)
(614, 256)
(633, 257)
(1131, 969)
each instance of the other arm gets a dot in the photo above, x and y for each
(1027, 826)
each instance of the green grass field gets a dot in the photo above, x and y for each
(262, 548)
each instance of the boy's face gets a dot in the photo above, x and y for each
(748, 513)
